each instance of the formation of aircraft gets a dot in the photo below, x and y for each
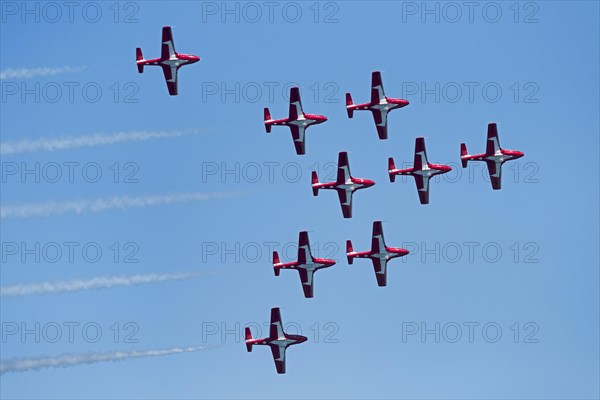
(278, 340)
(169, 60)
(380, 105)
(494, 156)
(422, 170)
(345, 184)
(306, 265)
(297, 120)
(379, 254)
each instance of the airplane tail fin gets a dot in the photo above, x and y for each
(248, 337)
(315, 180)
(349, 103)
(276, 261)
(463, 153)
(391, 166)
(139, 57)
(267, 117)
(349, 249)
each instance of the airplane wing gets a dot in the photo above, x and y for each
(377, 240)
(376, 88)
(304, 254)
(276, 330)
(167, 47)
(493, 143)
(380, 267)
(495, 171)
(380, 117)
(171, 78)
(298, 136)
(422, 188)
(306, 277)
(279, 358)
(345, 202)
(295, 104)
(343, 172)
(420, 161)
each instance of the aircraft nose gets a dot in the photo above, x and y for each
(405, 103)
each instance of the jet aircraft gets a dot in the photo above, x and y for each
(278, 340)
(379, 254)
(345, 185)
(380, 105)
(494, 156)
(297, 121)
(306, 265)
(422, 170)
(169, 60)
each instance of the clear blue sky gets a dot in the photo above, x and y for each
(548, 205)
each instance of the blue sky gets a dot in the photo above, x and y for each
(542, 56)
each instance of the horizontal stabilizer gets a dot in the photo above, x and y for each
(267, 117)
(349, 104)
(391, 167)
(463, 153)
(276, 261)
(139, 57)
(314, 181)
(349, 249)
(248, 337)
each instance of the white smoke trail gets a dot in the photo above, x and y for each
(27, 73)
(93, 206)
(102, 282)
(69, 360)
(73, 142)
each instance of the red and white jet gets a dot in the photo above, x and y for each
(306, 265)
(345, 185)
(379, 105)
(169, 60)
(422, 170)
(494, 156)
(278, 340)
(379, 254)
(297, 121)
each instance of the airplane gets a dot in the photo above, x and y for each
(297, 121)
(422, 170)
(169, 60)
(379, 105)
(306, 265)
(278, 340)
(494, 156)
(379, 254)
(345, 185)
